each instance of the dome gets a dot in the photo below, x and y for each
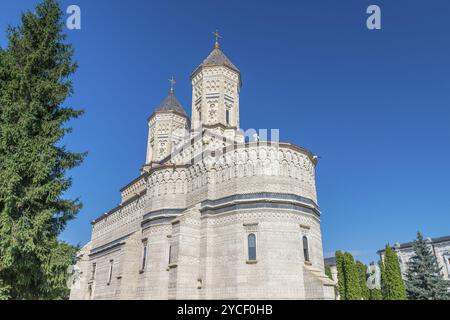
(171, 104)
(216, 59)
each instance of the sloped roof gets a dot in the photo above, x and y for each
(217, 58)
(171, 104)
(410, 244)
(331, 261)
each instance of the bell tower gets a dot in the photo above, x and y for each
(216, 86)
(167, 128)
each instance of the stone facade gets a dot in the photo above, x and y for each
(217, 218)
(439, 246)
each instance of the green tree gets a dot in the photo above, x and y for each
(362, 273)
(424, 280)
(374, 293)
(392, 284)
(4, 291)
(341, 275)
(353, 287)
(34, 82)
(348, 277)
(56, 269)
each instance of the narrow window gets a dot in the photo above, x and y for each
(144, 254)
(305, 249)
(228, 117)
(170, 254)
(94, 267)
(111, 262)
(251, 247)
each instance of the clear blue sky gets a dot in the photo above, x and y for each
(373, 104)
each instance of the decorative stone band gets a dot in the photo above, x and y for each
(157, 220)
(164, 212)
(135, 197)
(260, 195)
(160, 216)
(238, 202)
(260, 200)
(139, 184)
(109, 246)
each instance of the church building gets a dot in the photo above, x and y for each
(212, 215)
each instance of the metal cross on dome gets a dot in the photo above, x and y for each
(172, 84)
(218, 36)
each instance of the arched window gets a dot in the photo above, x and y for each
(251, 247)
(305, 249)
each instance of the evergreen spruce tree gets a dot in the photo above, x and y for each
(4, 291)
(362, 273)
(424, 280)
(374, 293)
(61, 257)
(392, 284)
(34, 82)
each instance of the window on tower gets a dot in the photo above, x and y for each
(111, 263)
(251, 247)
(144, 255)
(228, 117)
(305, 249)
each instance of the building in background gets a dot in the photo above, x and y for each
(439, 246)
